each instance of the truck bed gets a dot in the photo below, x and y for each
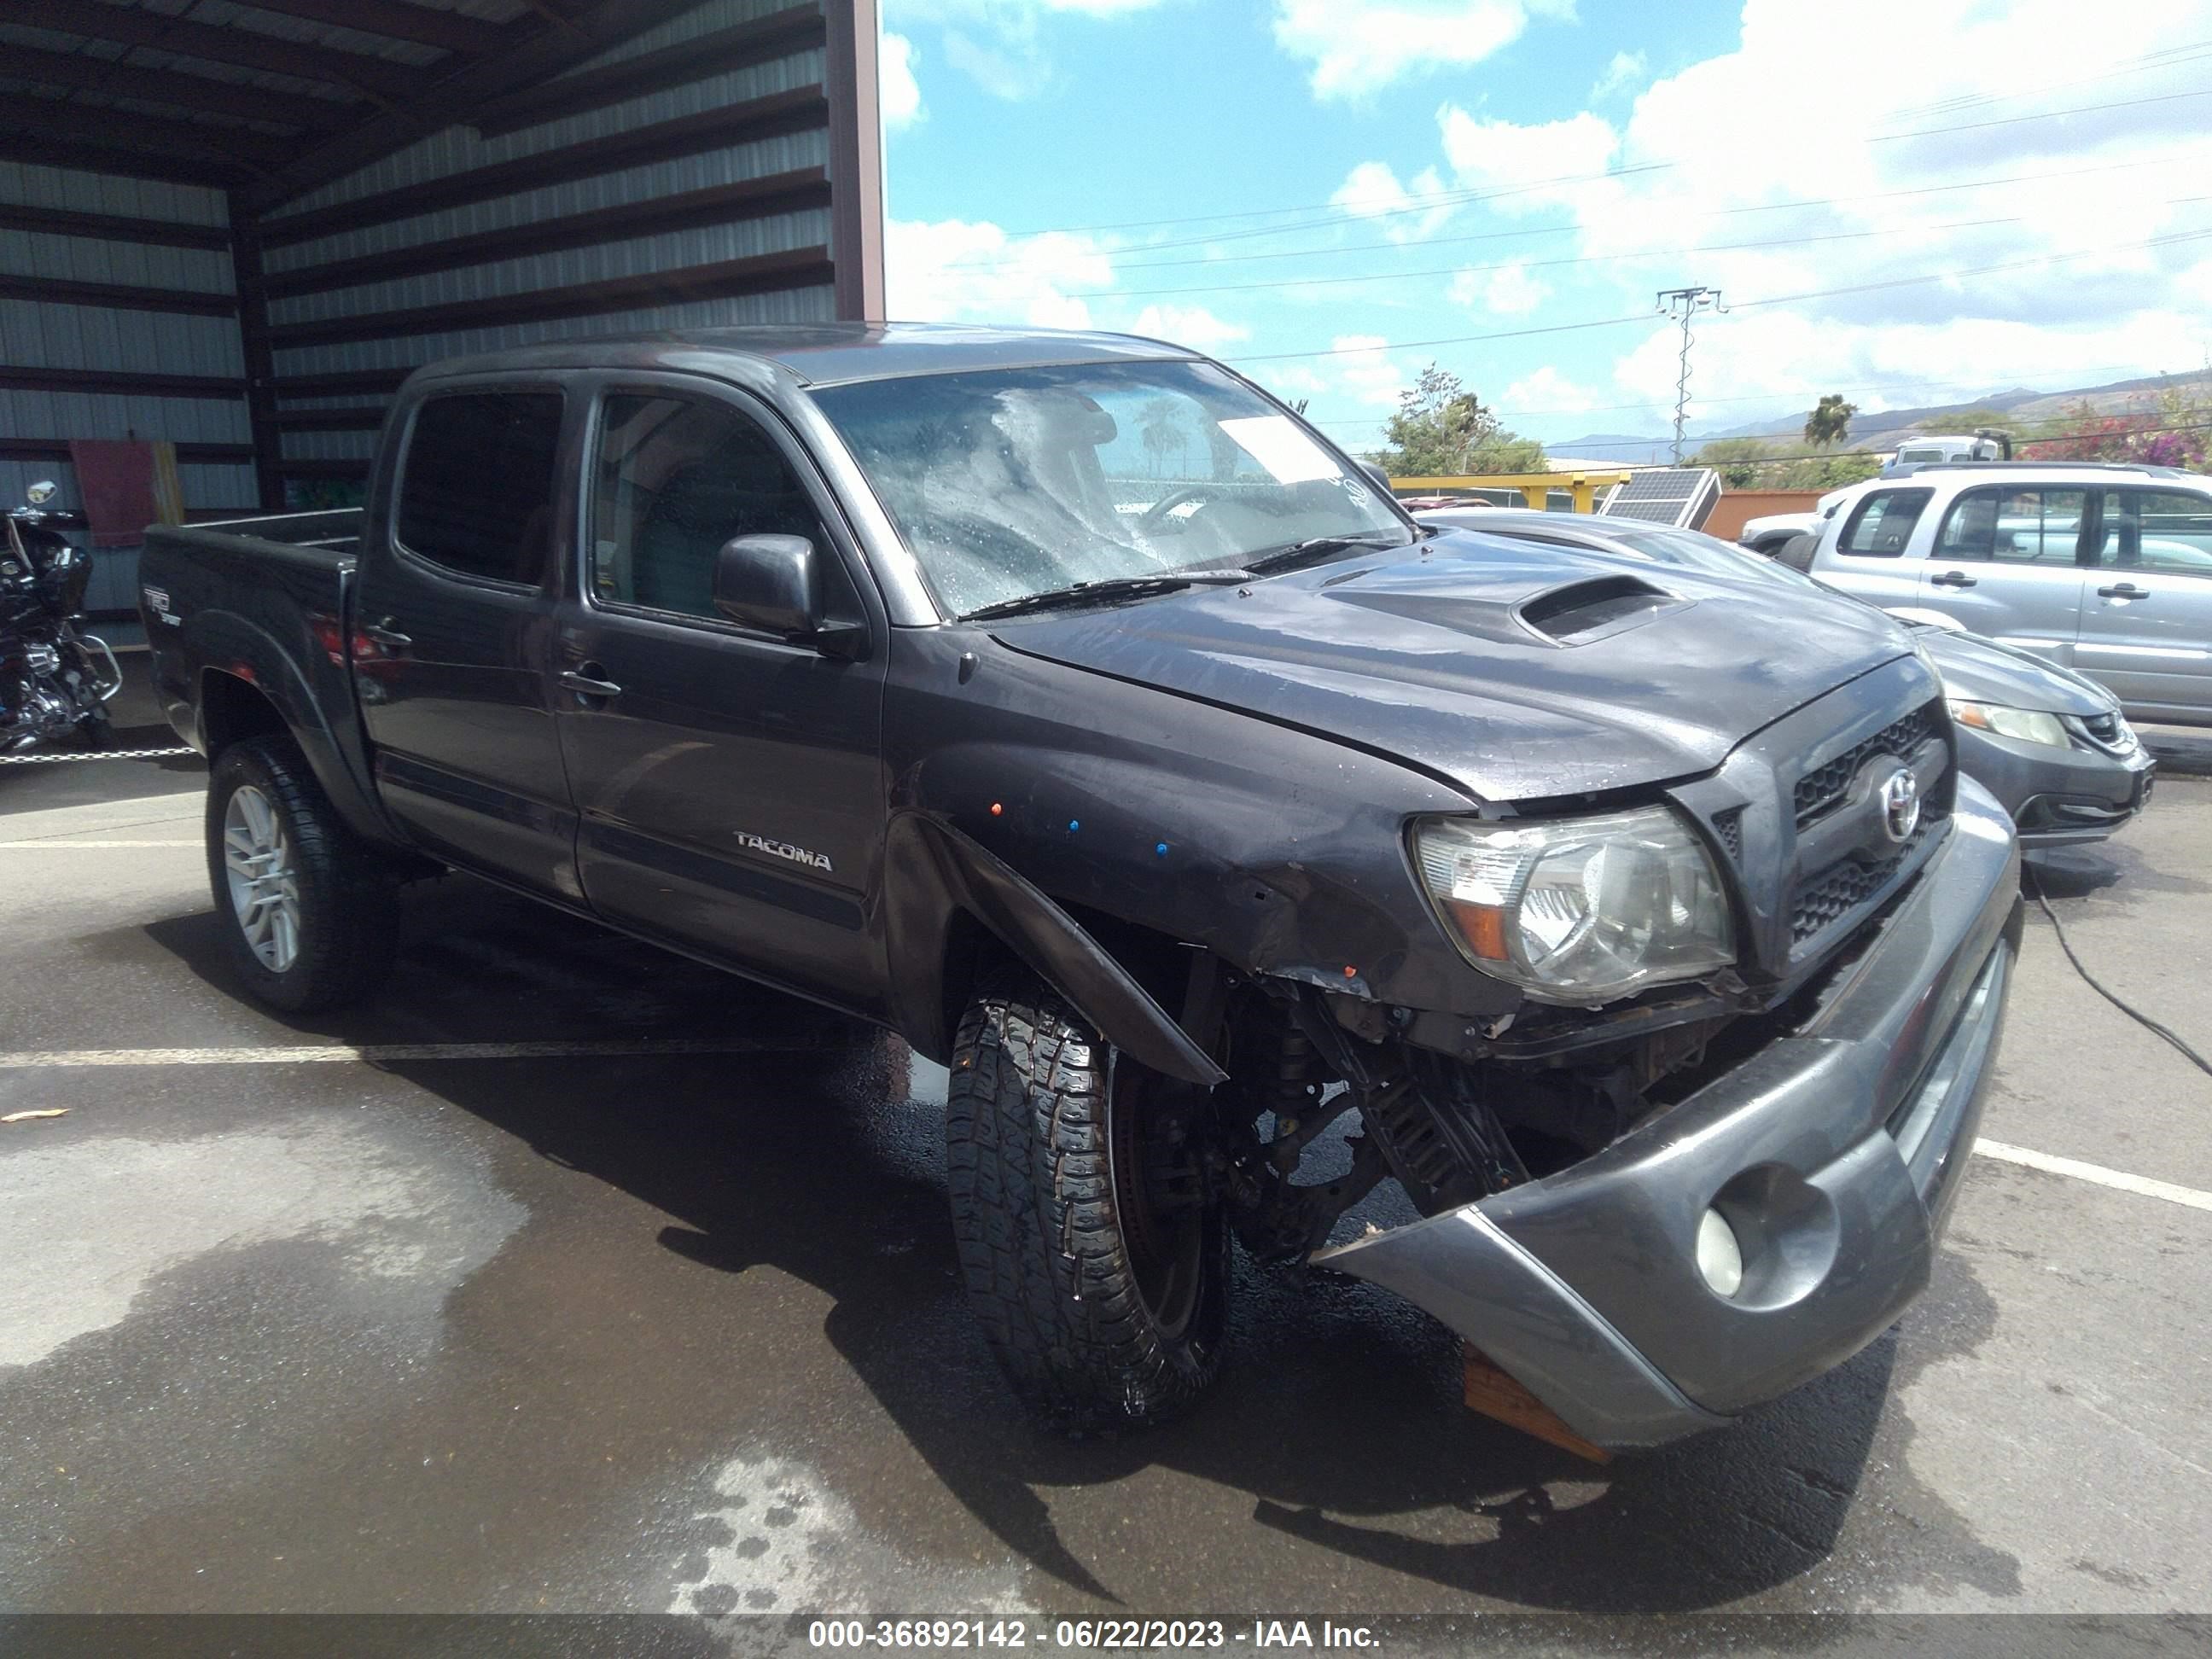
(262, 605)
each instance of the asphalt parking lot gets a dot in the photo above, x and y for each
(558, 1278)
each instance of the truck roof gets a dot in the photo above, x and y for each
(822, 353)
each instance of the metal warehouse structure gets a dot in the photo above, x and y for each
(238, 226)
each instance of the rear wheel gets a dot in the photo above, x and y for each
(308, 910)
(1095, 1257)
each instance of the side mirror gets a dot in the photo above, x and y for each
(1381, 478)
(40, 493)
(774, 584)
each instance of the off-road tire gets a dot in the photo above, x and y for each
(349, 913)
(1042, 1248)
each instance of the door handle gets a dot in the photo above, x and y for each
(588, 686)
(1952, 578)
(2123, 591)
(377, 634)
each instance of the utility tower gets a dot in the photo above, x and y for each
(1682, 304)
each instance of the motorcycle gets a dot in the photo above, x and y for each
(54, 679)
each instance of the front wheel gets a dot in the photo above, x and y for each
(308, 910)
(1095, 1256)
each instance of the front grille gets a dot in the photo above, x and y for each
(1845, 886)
(2105, 728)
(1821, 790)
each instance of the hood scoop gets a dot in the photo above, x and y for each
(1579, 612)
(1568, 613)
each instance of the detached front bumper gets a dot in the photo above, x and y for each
(1833, 1154)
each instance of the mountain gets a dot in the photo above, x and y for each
(1880, 428)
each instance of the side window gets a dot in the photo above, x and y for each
(475, 489)
(2157, 530)
(2013, 527)
(674, 478)
(1883, 523)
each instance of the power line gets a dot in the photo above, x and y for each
(1747, 305)
(1346, 417)
(2165, 161)
(1552, 264)
(1429, 201)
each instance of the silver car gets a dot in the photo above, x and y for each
(2052, 746)
(2104, 569)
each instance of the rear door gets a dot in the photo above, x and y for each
(2147, 619)
(2005, 562)
(730, 784)
(454, 620)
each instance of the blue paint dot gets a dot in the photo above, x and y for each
(1074, 824)
(1162, 849)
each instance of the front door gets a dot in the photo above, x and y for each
(2147, 619)
(729, 785)
(2004, 564)
(453, 619)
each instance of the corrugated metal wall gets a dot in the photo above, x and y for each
(701, 202)
(51, 340)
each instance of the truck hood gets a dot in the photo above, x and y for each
(1514, 670)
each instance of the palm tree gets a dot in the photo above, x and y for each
(1830, 423)
(1161, 430)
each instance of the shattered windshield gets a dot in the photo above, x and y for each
(1005, 483)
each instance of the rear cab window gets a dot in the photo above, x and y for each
(1881, 525)
(476, 484)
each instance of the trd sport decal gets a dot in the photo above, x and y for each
(781, 849)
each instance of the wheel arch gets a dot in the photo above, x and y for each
(246, 685)
(956, 912)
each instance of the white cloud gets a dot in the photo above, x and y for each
(960, 270)
(1187, 325)
(999, 44)
(1365, 372)
(1360, 46)
(897, 92)
(1371, 191)
(1507, 290)
(1625, 71)
(1547, 392)
(1679, 170)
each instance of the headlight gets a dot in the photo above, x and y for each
(1579, 910)
(2028, 725)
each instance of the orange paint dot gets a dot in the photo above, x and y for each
(1351, 972)
(996, 809)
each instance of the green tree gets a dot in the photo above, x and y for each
(1441, 429)
(1830, 423)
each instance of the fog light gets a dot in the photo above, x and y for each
(1720, 1258)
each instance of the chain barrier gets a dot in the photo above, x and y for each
(93, 755)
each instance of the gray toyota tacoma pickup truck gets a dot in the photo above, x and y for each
(1067, 706)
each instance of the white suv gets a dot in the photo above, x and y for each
(2104, 569)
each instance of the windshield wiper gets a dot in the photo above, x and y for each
(1318, 547)
(1105, 590)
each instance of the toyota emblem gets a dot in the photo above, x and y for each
(1901, 803)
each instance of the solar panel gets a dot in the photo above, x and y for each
(1677, 495)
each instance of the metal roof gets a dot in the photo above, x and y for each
(250, 96)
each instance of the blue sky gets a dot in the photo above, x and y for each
(1199, 169)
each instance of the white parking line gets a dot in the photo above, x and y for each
(53, 846)
(325, 1054)
(2119, 1180)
